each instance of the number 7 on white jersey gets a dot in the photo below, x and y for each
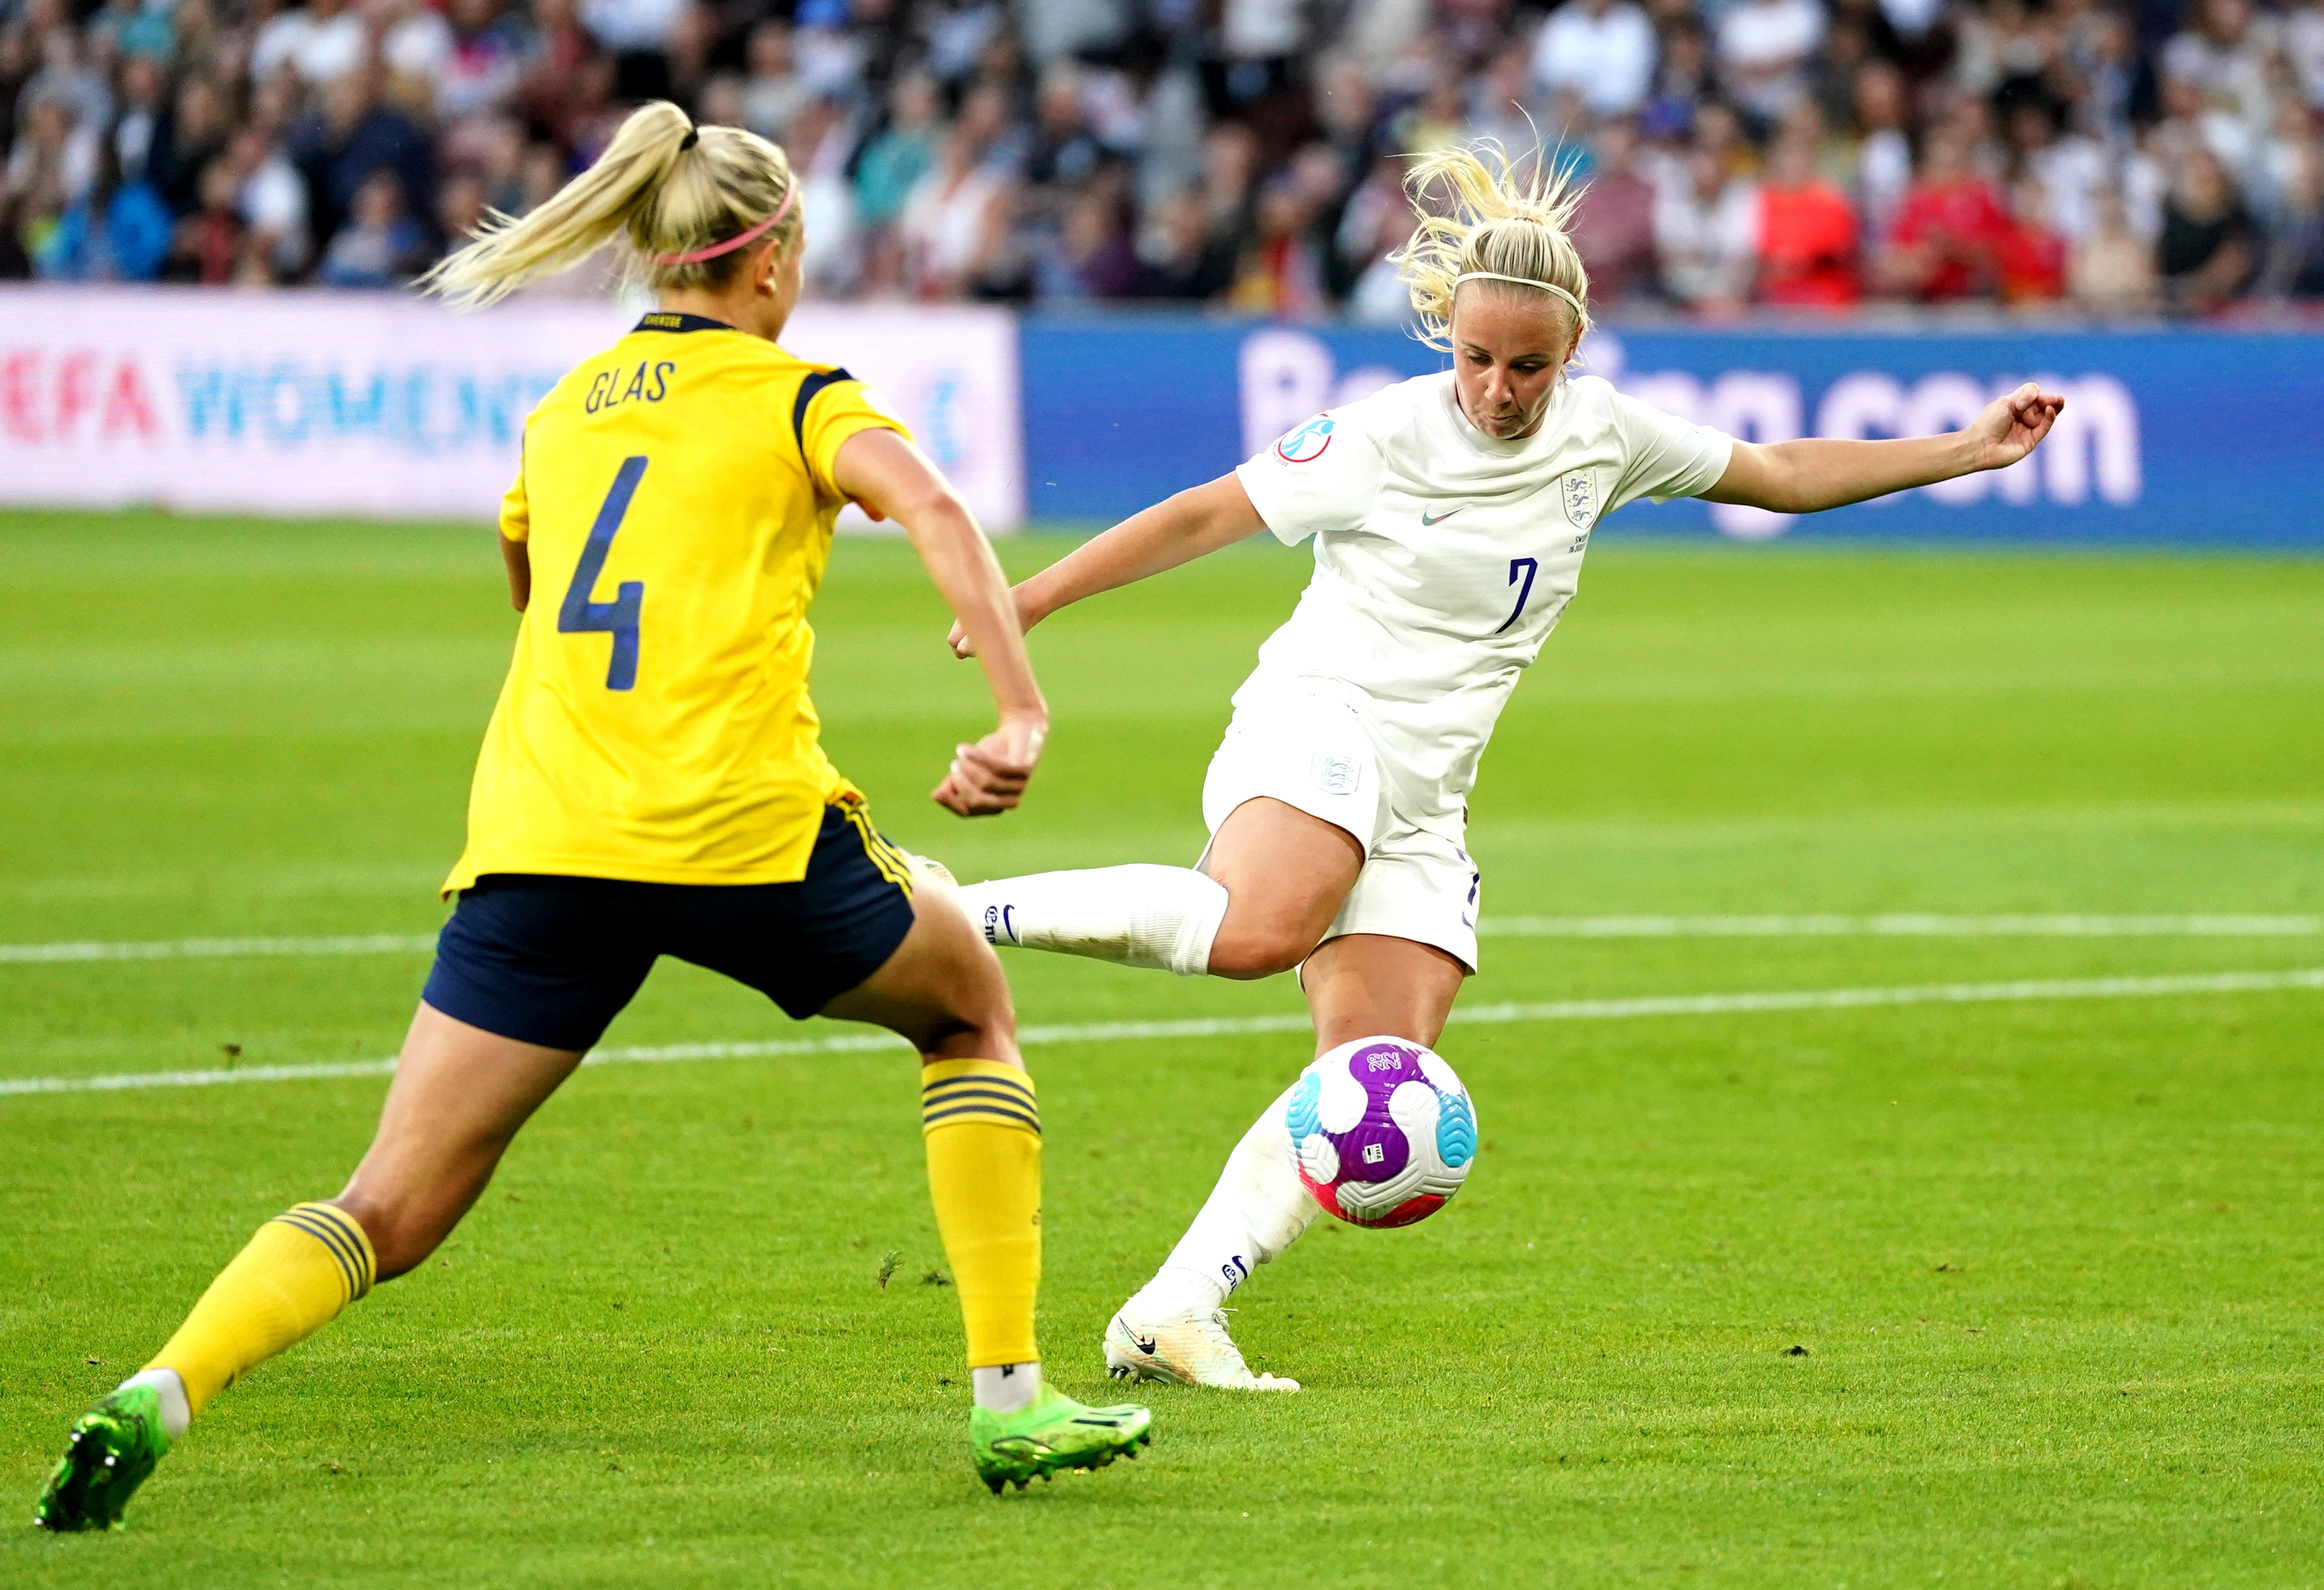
(1531, 566)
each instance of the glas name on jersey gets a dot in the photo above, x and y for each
(649, 385)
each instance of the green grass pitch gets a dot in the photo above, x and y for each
(2056, 1264)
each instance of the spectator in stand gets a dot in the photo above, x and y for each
(140, 131)
(1222, 98)
(272, 201)
(954, 228)
(1498, 105)
(414, 45)
(1601, 49)
(485, 62)
(1765, 47)
(2207, 254)
(894, 162)
(818, 147)
(1376, 221)
(2071, 167)
(459, 208)
(1707, 235)
(2288, 151)
(380, 246)
(66, 74)
(1092, 256)
(2031, 262)
(1055, 30)
(1063, 148)
(1281, 272)
(546, 84)
(2226, 61)
(321, 42)
(1184, 260)
(2112, 269)
(1681, 79)
(1884, 155)
(1807, 232)
(685, 55)
(1614, 224)
(774, 93)
(353, 136)
(1946, 240)
(2295, 266)
(118, 231)
(2189, 122)
(2303, 49)
(16, 67)
(55, 155)
(1229, 168)
(637, 34)
(207, 245)
(197, 135)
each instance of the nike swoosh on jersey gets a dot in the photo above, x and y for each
(1441, 518)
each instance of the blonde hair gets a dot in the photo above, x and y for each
(666, 185)
(1490, 221)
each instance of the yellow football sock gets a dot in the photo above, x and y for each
(302, 1268)
(983, 1134)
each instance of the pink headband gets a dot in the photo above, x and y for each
(732, 243)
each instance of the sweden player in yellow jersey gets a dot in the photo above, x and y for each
(652, 782)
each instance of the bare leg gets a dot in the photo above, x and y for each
(459, 1095)
(1287, 875)
(1370, 986)
(942, 989)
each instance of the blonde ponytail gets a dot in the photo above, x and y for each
(669, 188)
(1479, 218)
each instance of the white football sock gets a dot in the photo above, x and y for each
(1141, 915)
(1258, 1210)
(1004, 1388)
(177, 1413)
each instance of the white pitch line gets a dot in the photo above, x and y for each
(1897, 926)
(1520, 927)
(209, 949)
(1116, 1032)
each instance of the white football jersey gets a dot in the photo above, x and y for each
(1443, 558)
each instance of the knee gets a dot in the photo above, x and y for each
(402, 1237)
(1246, 955)
(980, 1028)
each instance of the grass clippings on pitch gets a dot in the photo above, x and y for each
(2021, 1293)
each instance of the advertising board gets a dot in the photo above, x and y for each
(387, 405)
(2169, 435)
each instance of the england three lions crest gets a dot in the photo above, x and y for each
(1580, 494)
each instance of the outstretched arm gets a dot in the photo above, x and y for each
(1816, 473)
(891, 477)
(1179, 529)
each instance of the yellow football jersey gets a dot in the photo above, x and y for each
(676, 500)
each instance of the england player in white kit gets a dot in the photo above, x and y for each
(1450, 514)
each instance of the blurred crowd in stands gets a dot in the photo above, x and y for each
(2105, 156)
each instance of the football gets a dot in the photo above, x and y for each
(1382, 1130)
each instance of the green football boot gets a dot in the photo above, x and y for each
(1053, 1433)
(114, 1447)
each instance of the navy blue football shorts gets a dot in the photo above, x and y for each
(551, 960)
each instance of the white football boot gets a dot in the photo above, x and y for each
(1191, 1347)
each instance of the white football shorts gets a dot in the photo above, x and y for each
(1316, 754)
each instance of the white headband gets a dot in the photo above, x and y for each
(1521, 281)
